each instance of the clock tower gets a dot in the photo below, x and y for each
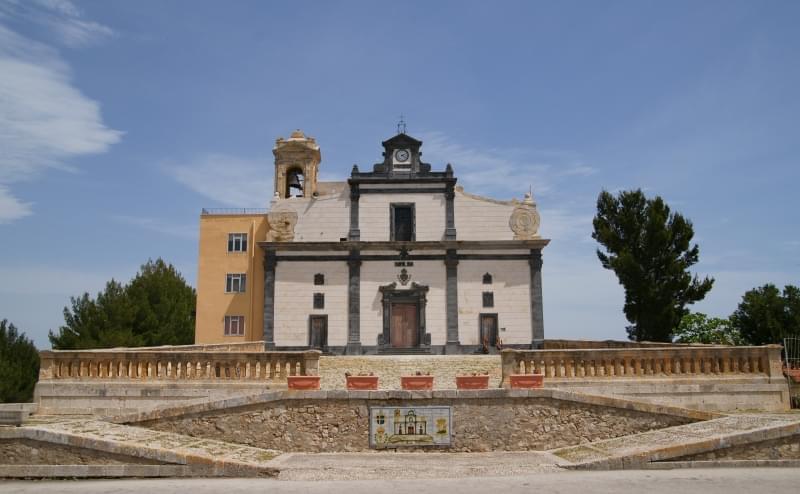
(402, 157)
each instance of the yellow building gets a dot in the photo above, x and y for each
(395, 260)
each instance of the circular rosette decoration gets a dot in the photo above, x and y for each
(524, 223)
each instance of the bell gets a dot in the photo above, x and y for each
(295, 182)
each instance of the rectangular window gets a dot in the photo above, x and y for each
(237, 242)
(234, 325)
(319, 300)
(235, 283)
(488, 299)
(402, 222)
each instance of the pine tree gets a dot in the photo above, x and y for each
(155, 308)
(650, 251)
(19, 365)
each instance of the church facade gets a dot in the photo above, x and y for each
(398, 259)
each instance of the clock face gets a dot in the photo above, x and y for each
(402, 155)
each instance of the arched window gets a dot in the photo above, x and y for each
(295, 181)
(487, 279)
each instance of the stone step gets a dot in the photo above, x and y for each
(218, 457)
(673, 442)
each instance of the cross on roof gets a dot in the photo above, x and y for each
(401, 125)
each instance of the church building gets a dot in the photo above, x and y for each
(397, 260)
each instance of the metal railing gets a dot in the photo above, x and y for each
(214, 211)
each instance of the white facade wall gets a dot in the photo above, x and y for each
(322, 219)
(374, 215)
(294, 300)
(377, 273)
(481, 219)
(510, 285)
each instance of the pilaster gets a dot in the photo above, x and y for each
(270, 263)
(450, 214)
(355, 195)
(451, 289)
(354, 304)
(537, 313)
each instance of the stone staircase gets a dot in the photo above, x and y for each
(635, 451)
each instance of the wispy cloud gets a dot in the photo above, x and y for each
(44, 119)
(485, 171)
(61, 19)
(158, 225)
(228, 180)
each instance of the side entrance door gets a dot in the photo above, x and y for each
(318, 331)
(404, 329)
(488, 327)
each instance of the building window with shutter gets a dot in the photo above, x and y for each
(234, 326)
(319, 300)
(237, 242)
(235, 282)
(488, 299)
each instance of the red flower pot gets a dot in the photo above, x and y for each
(472, 382)
(416, 382)
(527, 381)
(362, 382)
(303, 383)
(793, 374)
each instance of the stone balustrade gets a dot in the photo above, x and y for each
(180, 366)
(620, 363)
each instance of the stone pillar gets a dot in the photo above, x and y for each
(354, 305)
(537, 314)
(451, 292)
(449, 210)
(270, 264)
(355, 195)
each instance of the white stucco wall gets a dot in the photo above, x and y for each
(294, 300)
(510, 285)
(374, 215)
(322, 219)
(377, 273)
(479, 219)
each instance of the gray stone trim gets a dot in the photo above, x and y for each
(354, 304)
(415, 246)
(451, 292)
(410, 257)
(410, 190)
(354, 234)
(381, 350)
(270, 263)
(537, 313)
(450, 212)
(415, 294)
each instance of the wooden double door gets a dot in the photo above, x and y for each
(404, 328)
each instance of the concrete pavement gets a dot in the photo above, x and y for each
(711, 481)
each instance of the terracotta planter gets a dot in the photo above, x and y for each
(472, 382)
(527, 381)
(362, 382)
(417, 382)
(793, 374)
(303, 383)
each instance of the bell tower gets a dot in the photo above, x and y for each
(296, 165)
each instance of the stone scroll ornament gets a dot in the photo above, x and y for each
(525, 220)
(282, 221)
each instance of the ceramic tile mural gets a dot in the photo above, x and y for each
(393, 427)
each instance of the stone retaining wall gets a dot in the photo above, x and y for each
(389, 368)
(485, 424)
(27, 452)
(785, 448)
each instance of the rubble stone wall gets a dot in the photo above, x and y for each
(500, 424)
(785, 448)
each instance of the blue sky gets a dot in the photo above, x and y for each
(120, 120)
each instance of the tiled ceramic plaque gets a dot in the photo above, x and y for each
(395, 427)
